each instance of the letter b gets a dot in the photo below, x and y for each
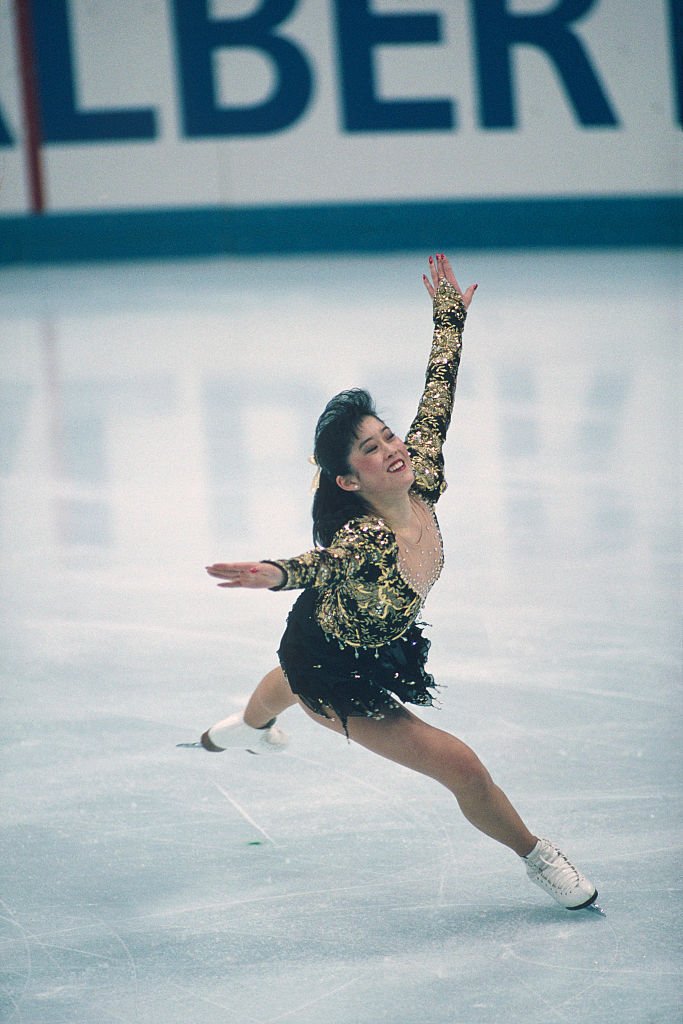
(197, 36)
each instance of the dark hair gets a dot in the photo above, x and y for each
(335, 433)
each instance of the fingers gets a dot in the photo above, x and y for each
(440, 269)
(469, 295)
(222, 569)
(234, 574)
(446, 271)
(246, 574)
(436, 273)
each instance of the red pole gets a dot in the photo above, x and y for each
(31, 104)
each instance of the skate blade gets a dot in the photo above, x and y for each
(595, 908)
(193, 746)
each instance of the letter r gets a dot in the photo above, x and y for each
(498, 30)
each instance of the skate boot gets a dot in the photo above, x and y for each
(234, 732)
(548, 868)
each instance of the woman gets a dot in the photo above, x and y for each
(352, 654)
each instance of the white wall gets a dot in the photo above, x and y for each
(125, 56)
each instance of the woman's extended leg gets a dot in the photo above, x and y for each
(406, 739)
(271, 697)
(255, 726)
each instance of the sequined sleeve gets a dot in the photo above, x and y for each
(357, 549)
(428, 430)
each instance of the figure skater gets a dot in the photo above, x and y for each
(352, 654)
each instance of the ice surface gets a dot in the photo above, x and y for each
(156, 417)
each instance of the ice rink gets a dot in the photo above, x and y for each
(157, 417)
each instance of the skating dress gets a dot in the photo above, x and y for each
(352, 643)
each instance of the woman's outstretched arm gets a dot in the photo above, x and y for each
(360, 543)
(255, 575)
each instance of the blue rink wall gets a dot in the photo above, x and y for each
(380, 227)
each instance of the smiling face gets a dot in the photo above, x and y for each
(379, 462)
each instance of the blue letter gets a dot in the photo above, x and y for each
(498, 31)
(676, 18)
(5, 137)
(61, 120)
(359, 31)
(197, 37)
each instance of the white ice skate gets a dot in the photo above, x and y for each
(233, 732)
(548, 868)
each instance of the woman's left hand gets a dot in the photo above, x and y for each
(440, 269)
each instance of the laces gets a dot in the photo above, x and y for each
(564, 865)
(553, 871)
(555, 863)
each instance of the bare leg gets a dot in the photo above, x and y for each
(271, 697)
(404, 738)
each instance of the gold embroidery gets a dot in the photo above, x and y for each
(362, 599)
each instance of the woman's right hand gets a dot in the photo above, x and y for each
(252, 575)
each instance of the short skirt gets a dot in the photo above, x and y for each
(348, 681)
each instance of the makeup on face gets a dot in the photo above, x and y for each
(379, 451)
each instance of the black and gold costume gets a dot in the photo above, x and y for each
(352, 644)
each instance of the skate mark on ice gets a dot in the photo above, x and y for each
(565, 1010)
(318, 999)
(14, 1007)
(245, 814)
(363, 783)
(551, 1009)
(128, 957)
(47, 947)
(599, 973)
(195, 995)
(215, 906)
(25, 937)
(409, 816)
